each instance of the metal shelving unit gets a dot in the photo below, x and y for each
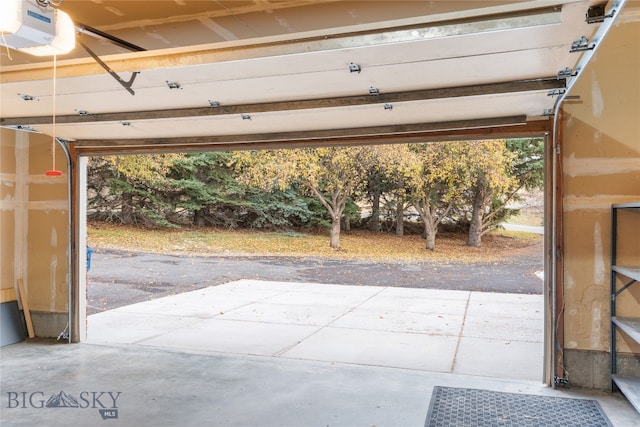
(629, 275)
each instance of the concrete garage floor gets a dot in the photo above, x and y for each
(253, 353)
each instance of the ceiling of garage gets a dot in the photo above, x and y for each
(160, 24)
(223, 73)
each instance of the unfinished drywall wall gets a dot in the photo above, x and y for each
(8, 183)
(35, 227)
(601, 164)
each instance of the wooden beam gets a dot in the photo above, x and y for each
(451, 131)
(25, 308)
(7, 295)
(344, 101)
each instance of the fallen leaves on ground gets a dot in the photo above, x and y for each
(359, 244)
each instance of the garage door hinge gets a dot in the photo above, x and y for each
(596, 14)
(556, 92)
(581, 44)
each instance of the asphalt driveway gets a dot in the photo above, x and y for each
(119, 278)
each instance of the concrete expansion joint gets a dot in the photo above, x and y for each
(464, 319)
(286, 349)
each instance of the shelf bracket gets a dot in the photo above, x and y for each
(619, 291)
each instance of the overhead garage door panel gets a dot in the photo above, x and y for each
(530, 104)
(534, 45)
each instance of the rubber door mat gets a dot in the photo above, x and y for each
(466, 407)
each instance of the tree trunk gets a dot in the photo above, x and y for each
(475, 227)
(198, 218)
(335, 232)
(430, 224)
(429, 232)
(400, 217)
(335, 206)
(431, 240)
(127, 208)
(374, 225)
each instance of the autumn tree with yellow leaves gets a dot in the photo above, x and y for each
(430, 174)
(439, 177)
(469, 184)
(331, 175)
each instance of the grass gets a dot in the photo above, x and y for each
(527, 217)
(518, 235)
(359, 244)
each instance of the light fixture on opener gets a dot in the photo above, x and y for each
(36, 28)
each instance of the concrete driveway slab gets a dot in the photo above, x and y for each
(499, 358)
(401, 321)
(420, 329)
(332, 297)
(425, 293)
(339, 290)
(504, 328)
(291, 314)
(257, 286)
(211, 301)
(378, 348)
(484, 304)
(127, 328)
(193, 305)
(416, 304)
(232, 336)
